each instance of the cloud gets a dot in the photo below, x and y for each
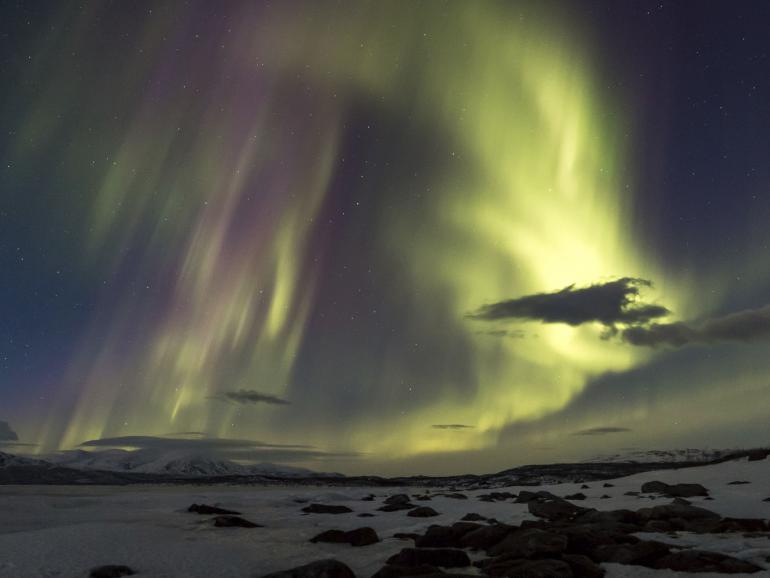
(222, 448)
(6, 433)
(250, 396)
(614, 302)
(600, 431)
(453, 426)
(744, 326)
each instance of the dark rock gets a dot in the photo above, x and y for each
(365, 515)
(631, 494)
(525, 497)
(485, 537)
(738, 483)
(708, 498)
(518, 568)
(111, 571)
(675, 490)
(610, 517)
(397, 499)
(585, 487)
(319, 569)
(742, 525)
(455, 496)
(357, 537)
(642, 553)
(446, 536)
(423, 498)
(496, 497)
(528, 543)
(681, 502)
(578, 496)
(608, 485)
(324, 509)
(473, 517)
(555, 509)
(605, 497)
(396, 507)
(406, 535)
(210, 510)
(766, 500)
(758, 455)
(669, 511)
(444, 557)
(583, 566)
(701, 561)
(423, 571)
(369, 498)
(422, 512)
(234, 522)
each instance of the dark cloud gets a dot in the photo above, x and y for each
(223, 448)
(744, 326)
(600, 431)
(614, 302)
(6, 433)
(455, 426)
(250, 396)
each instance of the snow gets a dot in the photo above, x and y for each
(63, 531)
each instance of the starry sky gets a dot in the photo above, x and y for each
(384, 237)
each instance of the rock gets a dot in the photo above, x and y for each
(423, 571)
(528, 543)
(423, 498)
(422, 512)
(473, 517)
(631, 494)
(557, 509)
(642, 553)
(396, 507)
(738, 483)
(234, 522)
(674, 491)
(369, 498)
(111, 571)
(496, 497)
(365, 515)
(608, 485)
(758, 455)
(358, 537)
(406, 536)
(206, 509)
(742, 525)
(577, 496)
(324, 509)
(485, 537)
(681, 502)
(583, 566)
(585, 487)
(669, 511)
(701, 561)
(525, 497)
(446, 536)
(605, 497)
(397, 499)
(766, 500)
(455, 496)
(320, 569)
(518, 568)
(444, 557)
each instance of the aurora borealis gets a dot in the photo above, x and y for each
(348, 232)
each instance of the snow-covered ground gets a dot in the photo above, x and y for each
(63, 531)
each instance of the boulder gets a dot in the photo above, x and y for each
(583, 566)
(234, 522)
(111, 571)
(320, 569)
(701, 561)
(210, 510)
(444, 557)
(531, 542)
(485, 537)
(518, 568)
(422, 512)
(358, 537)
(578, 496)
(324, 509)
(641, 553)
(473, 517)
(555, 509)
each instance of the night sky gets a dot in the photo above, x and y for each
(385, 237)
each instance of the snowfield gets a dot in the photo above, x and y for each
(64, 531)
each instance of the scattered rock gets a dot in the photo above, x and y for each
(320, 569)
(485, 537)
(206, 509)
(642, 553)
(556, 509)
(585, 487)
(406, 536)
(604, 497)
(454, 496)
(738, 483)
(446, 536)
(518, 568)
(422, 512)
(234, 522)
(324, 509)
(675, 490)
(397, 499)
(111, 571)
(701, 561)
(444, 557)
(578, 496)
(531, 542)
(583, 566)
(365, 515)
(608, 485)
(358, 537)
(473, 517)
(396, 507)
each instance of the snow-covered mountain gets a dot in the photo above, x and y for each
(8, 460)
(664, 456)
(177, 463)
